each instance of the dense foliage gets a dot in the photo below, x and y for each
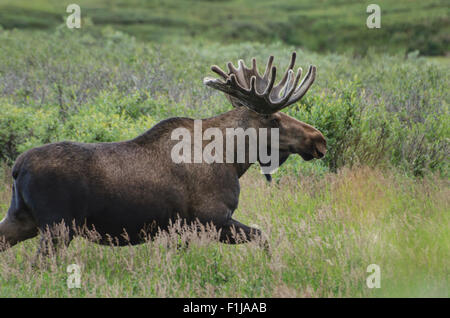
(320, 25)
(380, 110)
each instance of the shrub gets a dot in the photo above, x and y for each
(380, 110)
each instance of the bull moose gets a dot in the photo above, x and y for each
(126, 186)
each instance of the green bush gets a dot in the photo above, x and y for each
(22, 128)
(15, 128)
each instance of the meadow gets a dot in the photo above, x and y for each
(321, 25)
(324, 233)
(380, 196)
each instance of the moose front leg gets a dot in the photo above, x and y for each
(234, 232)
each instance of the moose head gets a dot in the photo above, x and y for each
(261, 101)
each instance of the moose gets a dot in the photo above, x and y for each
(131, 186)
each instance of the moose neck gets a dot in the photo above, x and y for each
(238, 118)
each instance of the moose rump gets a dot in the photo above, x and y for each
(90, 186)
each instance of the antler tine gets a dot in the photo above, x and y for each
(304, 85)
(216, 69)
(285, 77)
(289, 82)
(254, 68)
(269, 87)
(268, 67)
(231, 68)
(242, 65)
(239, 72)
(290, 88)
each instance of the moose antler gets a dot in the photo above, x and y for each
(246, 87)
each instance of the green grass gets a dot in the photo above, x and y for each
(324, 232)
(325, 25)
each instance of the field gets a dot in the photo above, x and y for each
(325, 25)
(324, 232)
(380, 196)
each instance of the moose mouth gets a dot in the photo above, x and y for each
(307, 156)
(317, 154)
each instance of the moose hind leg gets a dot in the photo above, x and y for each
(234, 232)
(18, 224)
(14, 230)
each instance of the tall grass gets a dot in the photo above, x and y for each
(324, 232)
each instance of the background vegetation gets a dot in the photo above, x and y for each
(379, 196)
(377, 110)
(320, 25)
